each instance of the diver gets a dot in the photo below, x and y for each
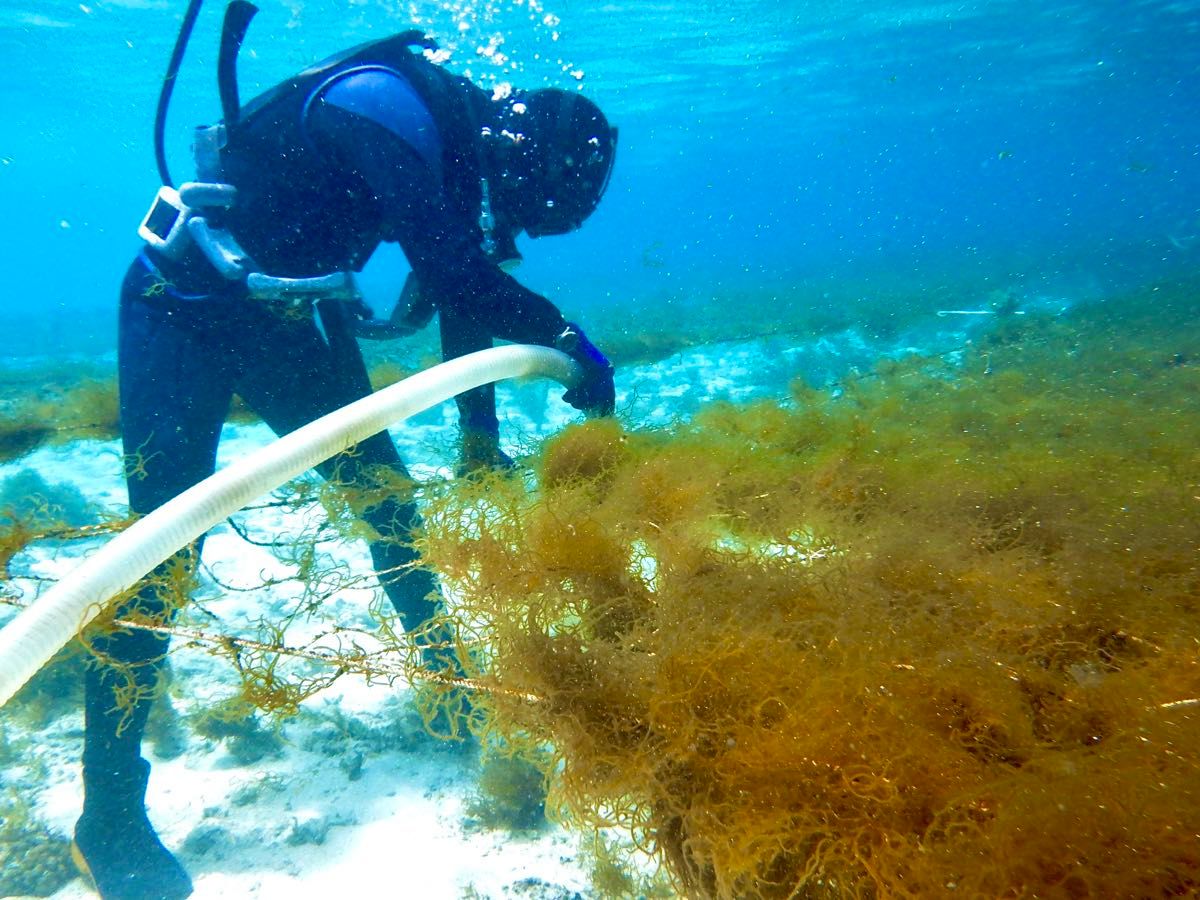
(244, 286)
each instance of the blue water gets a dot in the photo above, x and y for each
(769, 148)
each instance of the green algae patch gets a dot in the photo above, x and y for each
(34, 861)
(932, 632)
(509, 795)
(56, 413)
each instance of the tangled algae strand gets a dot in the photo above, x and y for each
(936, 634)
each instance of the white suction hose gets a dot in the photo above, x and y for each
(43, 628)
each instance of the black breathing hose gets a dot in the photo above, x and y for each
(168, 85)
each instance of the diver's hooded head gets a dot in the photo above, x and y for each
(555, 152)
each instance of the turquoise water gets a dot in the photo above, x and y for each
(796, 152)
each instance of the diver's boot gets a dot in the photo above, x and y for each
(115, 845)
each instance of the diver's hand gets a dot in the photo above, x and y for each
(596, 394)
(413, 311)
(362, 318)
(480, 453)
(373, 329)
(379, 330)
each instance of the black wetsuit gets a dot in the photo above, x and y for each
(379, 145)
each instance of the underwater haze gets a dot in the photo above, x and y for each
(796, 153)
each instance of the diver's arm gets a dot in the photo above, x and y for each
(453, 269)
(411, 313)
(480, 291)
(445, 255)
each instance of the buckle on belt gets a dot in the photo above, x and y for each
(165, 225)
(334, 286)
(175, 220)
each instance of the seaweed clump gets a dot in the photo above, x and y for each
(510, 795)
(932, 633)
(240, 729)
(56, 413)
(34, 861)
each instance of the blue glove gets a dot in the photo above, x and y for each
(595, 394)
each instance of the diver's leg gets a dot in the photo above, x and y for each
(480, 427)
(372, 467)
(323, 375)
(173, 401)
